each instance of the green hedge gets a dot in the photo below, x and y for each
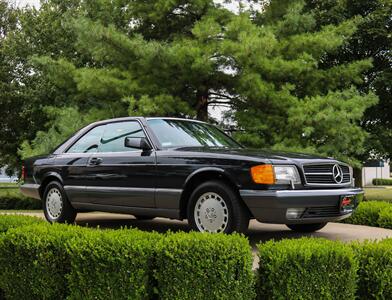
(12, 198)
(372, 213)
(14, 221)
(385, 218)
(380, 181)
(306, 269)
(45, 261)
(204, 266)
(34, 261)
(39, 260)
(375, 269)
(114, 264)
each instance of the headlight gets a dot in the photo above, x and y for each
(286, 174)
(269, 174)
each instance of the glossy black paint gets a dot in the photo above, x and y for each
(155, 180)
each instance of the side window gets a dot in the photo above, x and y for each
(115, 134)
(88, 142)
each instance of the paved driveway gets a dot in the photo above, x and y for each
(257, 232)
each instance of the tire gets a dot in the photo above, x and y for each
(139, 217)
(306, 227)
(215, 207)
(57, 208)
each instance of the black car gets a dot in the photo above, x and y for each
(186, 169)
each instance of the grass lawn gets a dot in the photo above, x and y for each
(5, 211)
(379, 193)
(8, 184)
(10, 192)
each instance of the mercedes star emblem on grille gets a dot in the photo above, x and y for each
(337, 173)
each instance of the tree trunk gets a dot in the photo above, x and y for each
(202, 106)
(358, 177)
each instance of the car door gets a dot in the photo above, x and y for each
(72, 164)
(122, 176)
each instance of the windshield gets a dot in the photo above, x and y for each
(180, 133)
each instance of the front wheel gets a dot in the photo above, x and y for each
(57, 208)
(306, 227)
(215, 207)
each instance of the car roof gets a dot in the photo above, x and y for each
(143, 118)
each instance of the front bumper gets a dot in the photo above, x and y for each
(270, 206)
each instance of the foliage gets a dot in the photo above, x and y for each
(52, 261)
(375, 269)
(373, 40)
(114, 264)
(368, 213)
(12, 198)
(307, 268)
(204, 266)
(178, 58)
(65, 122)
(385, 218)
(292, 100)
(382, 181)
(14, 221)
(34, 261)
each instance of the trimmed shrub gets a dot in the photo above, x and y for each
(306, 268)
(12, 198)
(14, 221)
(385, 218)
(114, 264)
(381, 181)
(368, 212)
(34, 261)
(204, 266)
(375, 269)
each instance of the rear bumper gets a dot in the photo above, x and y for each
(270, 206)
(30, 190)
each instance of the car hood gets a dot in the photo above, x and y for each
(275, 157)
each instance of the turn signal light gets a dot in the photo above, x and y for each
(263, 174)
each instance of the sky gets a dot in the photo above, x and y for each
(232, 6)
(26, 2)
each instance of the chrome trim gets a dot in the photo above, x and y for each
(332, 163)
(299, 193)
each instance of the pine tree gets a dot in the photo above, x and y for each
(176, 58)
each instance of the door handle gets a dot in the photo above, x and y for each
(95, 161)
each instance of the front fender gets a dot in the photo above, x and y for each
(206, 170)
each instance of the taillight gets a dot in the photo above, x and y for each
(23, 173)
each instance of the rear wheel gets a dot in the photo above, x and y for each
(306, 227)
(215, 207)
(57, 208)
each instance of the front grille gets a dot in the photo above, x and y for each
(321, 212)
(323, 174)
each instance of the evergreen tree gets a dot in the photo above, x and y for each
(373, 39)
(291, 99)
(176, 58)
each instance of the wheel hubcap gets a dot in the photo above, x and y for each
(211, 213)
(54, 203)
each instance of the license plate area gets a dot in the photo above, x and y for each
(347, 203)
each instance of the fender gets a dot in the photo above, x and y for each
(51, 174)
(221, 171)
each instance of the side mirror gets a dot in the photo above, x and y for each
(138, 143)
